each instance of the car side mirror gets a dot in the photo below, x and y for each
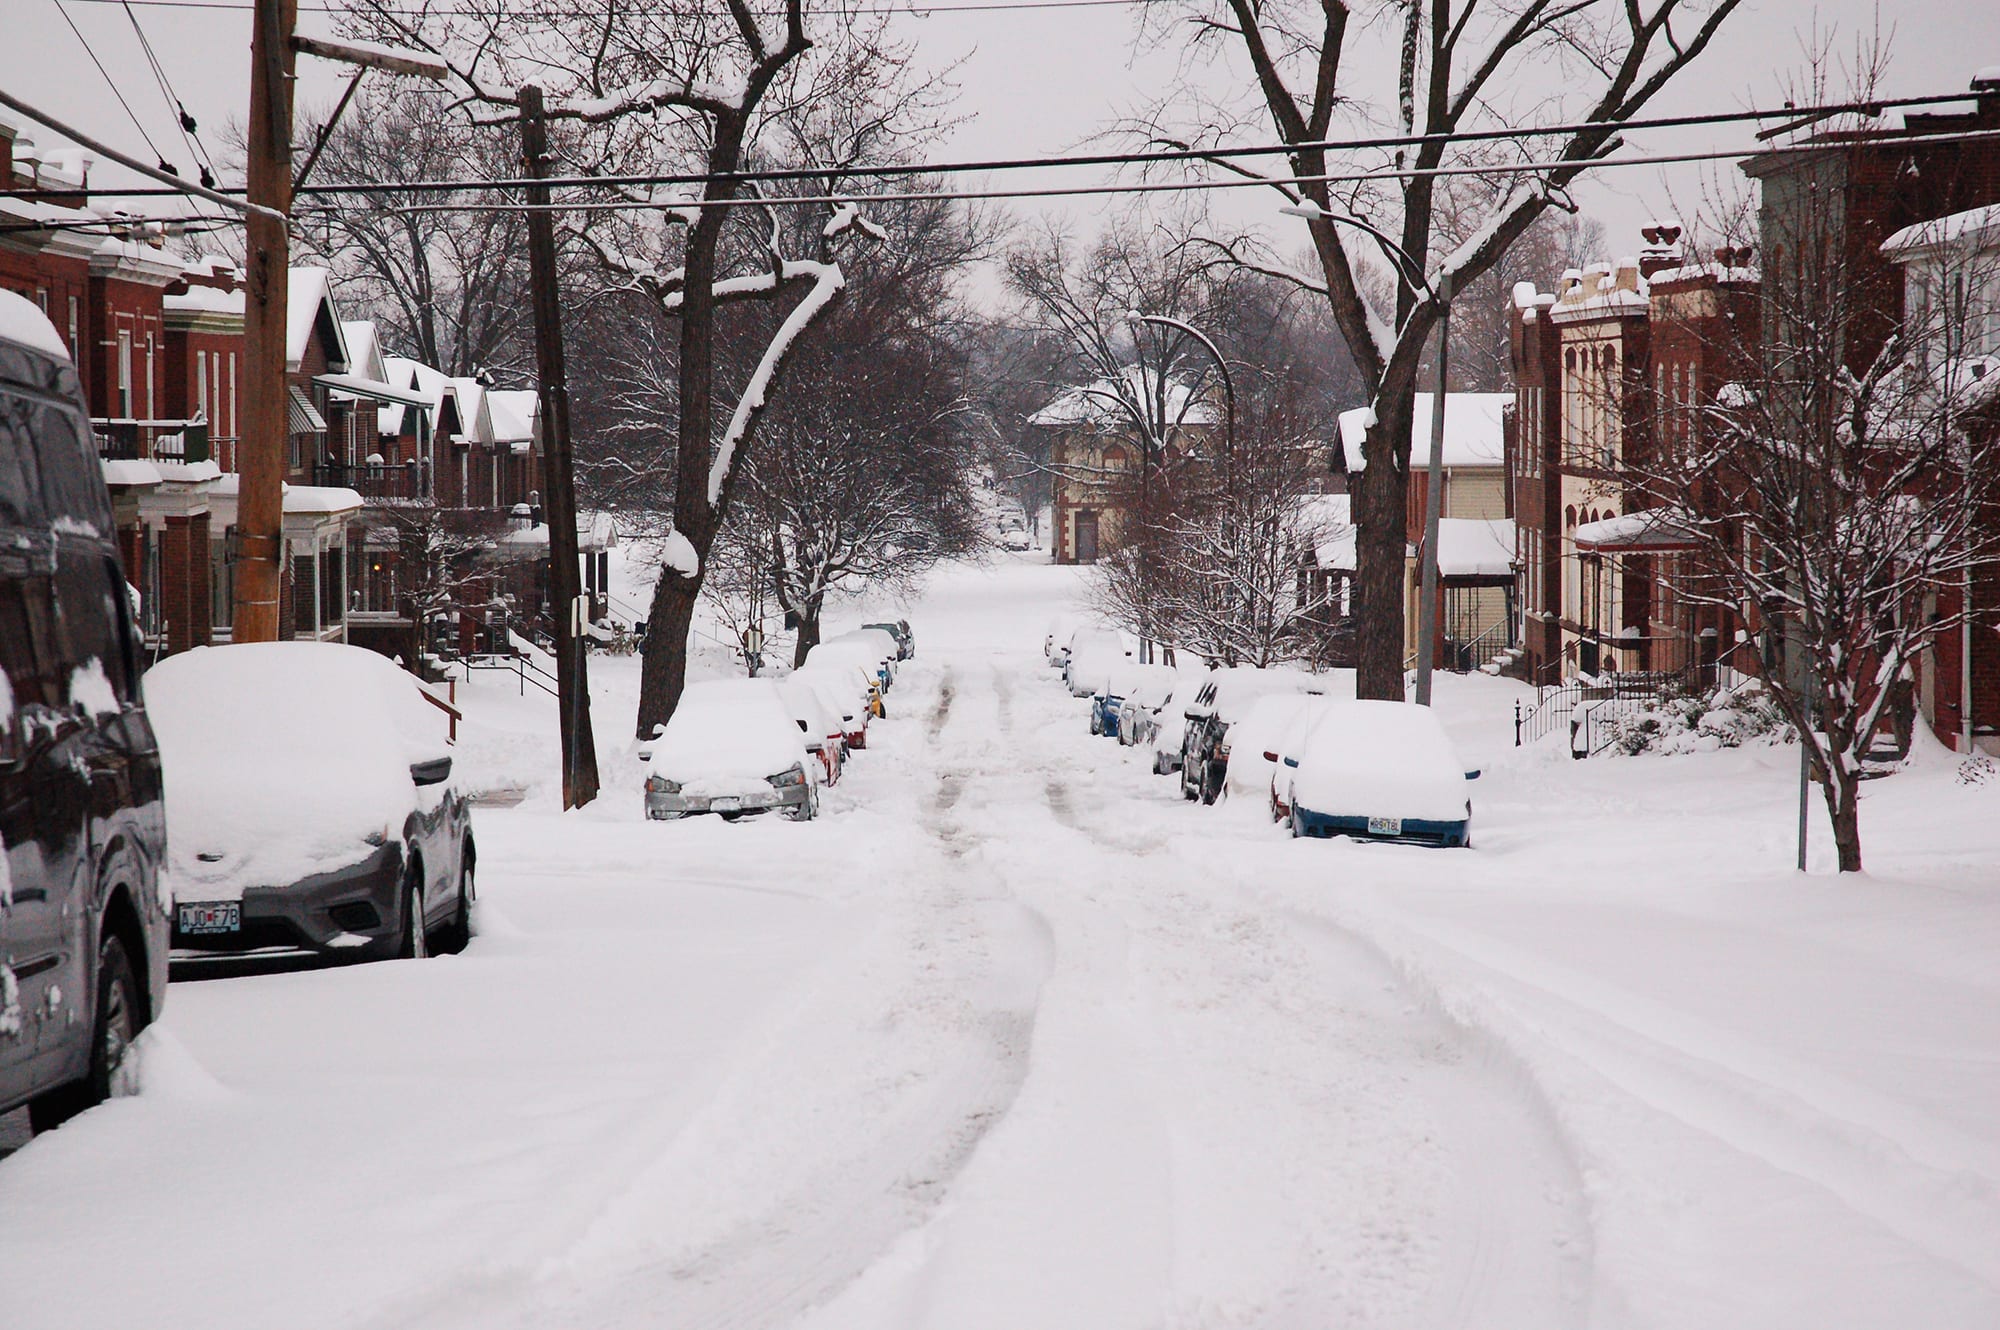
(1291, 762)
(431, 771)
(1473, 774)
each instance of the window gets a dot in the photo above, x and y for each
(152, 408)
(42, 298)
(125, 375)
(75, 332)
(232, 395)
(200, 384)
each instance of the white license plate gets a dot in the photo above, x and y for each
(1385, 826)
(211, 917)
(728, 805)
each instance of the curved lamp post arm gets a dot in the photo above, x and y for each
(1221, 365)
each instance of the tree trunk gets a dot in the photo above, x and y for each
(1843, 807)
(808, 630)
(663, 655)
(1380, 514)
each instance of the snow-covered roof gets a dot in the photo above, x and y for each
(1645, 529)
(1475, 547)
(205, 300)
(126, 472)
(416, 378)
(321, 499)
(1473, 431)
(469, 395)
(1971, 228)
(1097, 402)
(309, 300)
(514, 413)
(364, 349)
(1607, 288)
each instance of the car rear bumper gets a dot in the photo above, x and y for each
(357, 909)
(666, 807)
(1416, 831)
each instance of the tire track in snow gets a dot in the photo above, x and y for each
(1277, 1134)
(845, 1128)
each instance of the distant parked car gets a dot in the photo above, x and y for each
(1126, 693)
(1163, 727)
(821, 725)
(906, 637)
(856, 682)
(83, 920)
(872, 648)
(1095, 656)
(731, 748)
(1221, 701)
(1254, 741)
(1380, 770)
(310, 803)
(1017, 539)
(1055, 645)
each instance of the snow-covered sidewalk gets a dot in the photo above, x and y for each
(1015, 1037)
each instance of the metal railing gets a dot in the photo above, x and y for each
(1591, 707)
(126, 440)
(407, 481)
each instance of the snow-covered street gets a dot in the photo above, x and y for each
(1014, 1037)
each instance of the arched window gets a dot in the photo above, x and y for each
(1114, 458)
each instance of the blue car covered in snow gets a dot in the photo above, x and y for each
(1105, 708)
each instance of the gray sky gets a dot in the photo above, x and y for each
(1031, 82)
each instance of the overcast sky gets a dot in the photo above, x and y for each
(1031, 82)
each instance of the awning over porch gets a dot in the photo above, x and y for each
(353, 385)
(1475, 551)
(1647, 531)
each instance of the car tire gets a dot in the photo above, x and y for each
(1211, 781)
(114, 1025)
(415, 943)
(458, 932)
(1096, 725)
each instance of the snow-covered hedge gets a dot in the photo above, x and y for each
(1683, 722)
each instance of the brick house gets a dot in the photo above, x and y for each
(1096, 452)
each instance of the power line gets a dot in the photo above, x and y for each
(1135, 158)
(175, 108)
(643, 11)
(1147, 186)
(111, 83)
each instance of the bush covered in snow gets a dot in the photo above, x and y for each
(1679, 721)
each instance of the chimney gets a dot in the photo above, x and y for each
(1986, 83)
(1663, 248)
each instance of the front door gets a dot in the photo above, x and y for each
(1086, 536)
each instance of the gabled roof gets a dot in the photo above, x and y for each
(515, 414)
(309, 310)
(468, 398)
(415, 377)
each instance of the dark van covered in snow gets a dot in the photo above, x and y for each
(83, 924)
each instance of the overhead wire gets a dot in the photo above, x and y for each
(661, 11)
(113, 85)
(1166, 156)
(177, 109)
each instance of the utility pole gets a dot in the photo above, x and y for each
(260, 515)
(579, 746)
(1427, 598)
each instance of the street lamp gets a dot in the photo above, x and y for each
(1221, 365)
(1439, 293)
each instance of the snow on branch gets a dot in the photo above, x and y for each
(827, 283)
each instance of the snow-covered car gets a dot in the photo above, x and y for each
(821, 725)
(730, 748)
(1126, 693)
(1254, 741)
(1055, 644)
(1018, 540)
(906, 637)
(1283, 757)
(310, 803)
(845, 696)
(1163, 728)
(1095, 656)
(1381, 770)
(875, 650)
(1225, 695)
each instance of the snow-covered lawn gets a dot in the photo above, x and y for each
(1014, 1037)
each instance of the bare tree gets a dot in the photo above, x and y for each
(448, 289)
(1842, 500)
(1458, 67)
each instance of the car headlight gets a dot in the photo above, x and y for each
(661, 785)
(796, 776)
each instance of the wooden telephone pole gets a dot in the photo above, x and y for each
(260, 516)
(579, 746)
